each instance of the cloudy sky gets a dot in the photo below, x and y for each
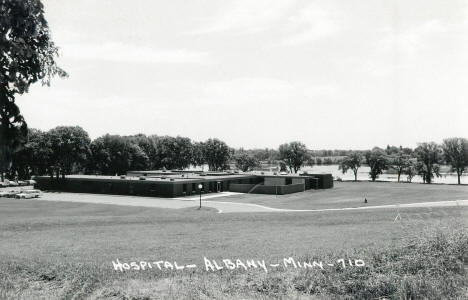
(257, 73)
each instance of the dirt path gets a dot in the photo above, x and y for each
(222, 207)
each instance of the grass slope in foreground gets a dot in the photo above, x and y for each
(57, 250)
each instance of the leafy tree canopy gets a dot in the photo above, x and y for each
(429, 156)
(377, 162)
(217, 154)
(27, 55)
(351, 162)
(456, 154)
(70, 148)
(294, 155)
(245, 161)
(399, 162)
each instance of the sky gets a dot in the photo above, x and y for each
(256, 73)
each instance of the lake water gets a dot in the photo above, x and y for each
(363, 174)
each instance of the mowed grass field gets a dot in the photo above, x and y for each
(59, 250)
(352, 194)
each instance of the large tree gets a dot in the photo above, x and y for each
(115, 154)
(456, 154)
(399, 162)
(198, 156)
(35, 156)
(70, 149)
(27, 55)
(245, 161)
(147, 158)
(101, 159)
(173, 152)
(351, 162)
(139, 159)
(410, 170)
(217, 154)
(294, 155)
(267, 155)
(377, 162)
(429, 156)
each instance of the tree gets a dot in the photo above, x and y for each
(283, 167)
(217, 154)
(173, 152)
(138, 158)
(425, 172)
(399, 162)
(115, 154)
(100, 161)
(183, 150)
(12, 137)
(119, 161)
(429, 156)
(70, 149)
(351, 162)
(310, 161)
(148, 147)
(245, 161)
(198, 156)
(392, 150)
(265, 155)
(21, 161)
(34, 157)
(410, 170)
(407, 151)
(456, 154)
(27, 55)
(377, 162)
(294, 155)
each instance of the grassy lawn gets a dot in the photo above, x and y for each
(352, 194)
(49, 230)
(54, 250)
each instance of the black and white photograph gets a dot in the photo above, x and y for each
(233, 149)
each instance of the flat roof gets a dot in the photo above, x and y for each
(175, 172)
(177, 178)
(210, 175)
(183, 177)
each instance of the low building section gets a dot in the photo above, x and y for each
(178, 184)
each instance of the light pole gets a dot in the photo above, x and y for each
(200, 186)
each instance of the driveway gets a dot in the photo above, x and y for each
(208, 200)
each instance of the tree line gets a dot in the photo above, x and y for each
(425, 160)
(69, 150)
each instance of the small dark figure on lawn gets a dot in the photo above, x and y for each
(365, 200)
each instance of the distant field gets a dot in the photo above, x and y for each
(352, 194)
